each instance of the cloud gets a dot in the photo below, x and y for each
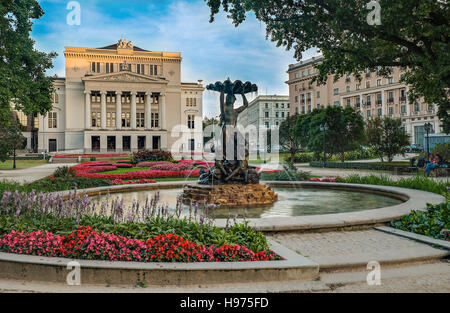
(210, 51)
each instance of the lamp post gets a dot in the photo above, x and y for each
(324, 128)
(428, 128)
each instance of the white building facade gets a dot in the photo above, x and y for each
(121, 98)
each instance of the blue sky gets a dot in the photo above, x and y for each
(210, 51)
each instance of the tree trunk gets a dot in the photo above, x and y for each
(14, 160)
(292, 157)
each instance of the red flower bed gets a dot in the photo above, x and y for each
(140, 181)
(86, 243)
(163, 169)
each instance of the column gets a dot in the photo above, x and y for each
(87, 110)
(119, 143)
(118, 110)
(133, 110)
(103, 109)
(148, 110)
(408, 108)
(162, 111)
(133, 144)
(383, 103)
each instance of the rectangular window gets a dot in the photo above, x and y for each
(336, 91)
(391, 80)
(368, 113)
(109, 67)
(140, 120)
(337, 103)
(95, 119)
(126, 122)
(95, 66)
(52, 120)
(379, 112)
(391, 110)
(416, 107)
(155, 120)
(348, 102)
(367, 84)
(266, 114)
(110, 119)
(191, 120)
(378, 82)
(368, 100)
(318, 94)
(403, 108)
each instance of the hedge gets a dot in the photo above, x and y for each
(358, 166)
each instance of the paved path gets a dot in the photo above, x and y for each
(30, 174)
(356, 248)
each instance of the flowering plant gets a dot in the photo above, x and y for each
(87, 243)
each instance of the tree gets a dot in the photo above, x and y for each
(289, 137)
(12, 139)
(22, 68)
(345, 130)
(413, 35)
(387, 136)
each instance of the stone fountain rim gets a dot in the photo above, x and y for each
(413, 200)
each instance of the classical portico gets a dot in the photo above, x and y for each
(124, 111)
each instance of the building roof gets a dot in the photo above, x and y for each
(304, 63)
(114, 47)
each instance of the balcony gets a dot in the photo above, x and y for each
(390, 100)
(309, 101)
(302, 101)
(347, 80)
(402, 99)
(367, 74)
(368, 103)
(379, 102)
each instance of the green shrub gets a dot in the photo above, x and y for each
(152, 155)
(92, 159)
(416, 182)
(205, 234)
(435, 222)
(289, 173)
(359, 166)
(64, 171)
(304, 157)
(443, 149)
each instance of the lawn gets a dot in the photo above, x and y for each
(21, 164)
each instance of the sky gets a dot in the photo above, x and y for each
(210, 51)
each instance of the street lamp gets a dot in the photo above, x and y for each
(428, 128)
(324, 128)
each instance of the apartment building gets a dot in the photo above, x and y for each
(374, 95)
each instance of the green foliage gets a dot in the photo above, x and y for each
(412, 35)
(359, 154)
(23, 77)
(345, 133)
(289, 173)
(151, 155)
(11, 139)
(443, 149)
(290, 139)
(64, 171)
(417, 182)
(359, 166)
(48, 184)
(435, 222)
(205, 234)
(387, 136)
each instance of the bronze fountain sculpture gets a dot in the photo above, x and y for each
(231, 181)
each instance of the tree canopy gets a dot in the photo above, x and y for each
(413, 35)
(23, 80)
(345, 130)
(387, 136)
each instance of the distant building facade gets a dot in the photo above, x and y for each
(119, 98)
(374, 95)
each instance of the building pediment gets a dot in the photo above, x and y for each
(124, 77)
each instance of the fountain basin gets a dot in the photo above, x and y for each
(410, 200)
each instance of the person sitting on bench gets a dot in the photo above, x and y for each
(435, 161)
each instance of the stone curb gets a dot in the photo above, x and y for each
(421, 238)
(414, 200)
(294, 267)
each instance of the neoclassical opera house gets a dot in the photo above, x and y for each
(119, 98)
